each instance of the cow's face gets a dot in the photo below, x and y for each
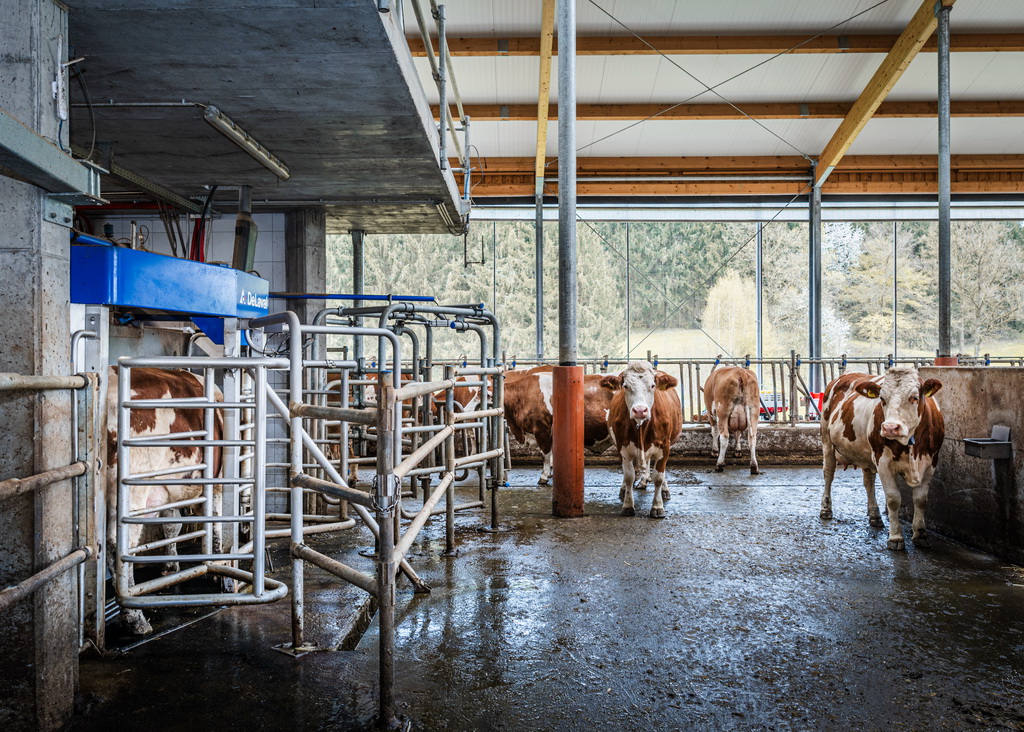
(900, 394)
(638, 382)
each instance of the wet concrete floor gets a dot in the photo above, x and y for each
(741, 610)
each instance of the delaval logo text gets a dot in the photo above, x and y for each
(251, 299)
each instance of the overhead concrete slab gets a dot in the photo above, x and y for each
(329, 90)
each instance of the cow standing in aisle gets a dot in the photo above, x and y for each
(152, 383)
(528, 413)
(733, 400)
(645, 419)
(886, 424)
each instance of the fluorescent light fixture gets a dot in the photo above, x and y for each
(241, 138)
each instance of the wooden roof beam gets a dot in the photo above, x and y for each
(771, 110)
(918, 30)
(723, 45)
(547, 34)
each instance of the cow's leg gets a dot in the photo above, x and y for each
(660, 491)
(133, 617)
(752, 417)
(644, 476)
(892, 504)
(920, 535)
(828, 459)
(874, 516)
(713, 420)
(723, 445)
(545, 471)
(626, 494)
(171, 531)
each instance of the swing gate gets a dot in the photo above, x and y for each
(380, 508)
(227, 509)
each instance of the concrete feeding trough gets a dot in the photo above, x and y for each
(996, 447)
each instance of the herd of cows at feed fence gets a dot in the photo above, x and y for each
(887, 424)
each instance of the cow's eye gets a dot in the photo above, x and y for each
(913, 400)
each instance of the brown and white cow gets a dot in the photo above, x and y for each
(528, 413)
(733, 400)
(151, 383)
(645, 419)
(886, 424)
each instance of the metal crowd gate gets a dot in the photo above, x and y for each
(381, 507)
(223, 519)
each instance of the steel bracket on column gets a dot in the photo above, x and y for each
(26, 155)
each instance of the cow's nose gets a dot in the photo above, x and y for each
(640, 412)
(890, 429)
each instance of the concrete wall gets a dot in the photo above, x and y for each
(979, 502)
(779, 445)
(38, 635)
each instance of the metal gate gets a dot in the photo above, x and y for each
(227, 510)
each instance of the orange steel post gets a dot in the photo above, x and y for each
(567, 441)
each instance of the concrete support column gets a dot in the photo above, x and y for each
(306, 258)
(39, 635)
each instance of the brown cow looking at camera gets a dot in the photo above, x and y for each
(886, 424)
(645, 419)
(151, 383)
(528, 414)
(733, 401)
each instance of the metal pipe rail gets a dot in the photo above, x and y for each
(203, 493)
(82, 538)
(11, 595)
(17, 486)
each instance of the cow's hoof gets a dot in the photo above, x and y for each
(640, 485)
(630, 511)
(657, 513)
(922, 541)
(875, 521)
(754, 470)
(171, 568)
(137, 622)
(826, 513)
(542, 481)
(896, 545)
(666, 495)
(622, 495)
(719, 468)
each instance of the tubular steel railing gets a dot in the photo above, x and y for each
(221, 523)
(785, 382)
(81, 469)
(402, 450)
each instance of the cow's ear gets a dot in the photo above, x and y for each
(665, 381)
(930, 387)
(869, 389)
(611, 382)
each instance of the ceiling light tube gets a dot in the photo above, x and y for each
(241, 138)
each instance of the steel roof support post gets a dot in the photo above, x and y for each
(567, 406)
(358, 285)
(539, 270)
(814, 289)
(944, 357)
(759, 304)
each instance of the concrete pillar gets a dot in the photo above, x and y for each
(306, 258)
(38, 636)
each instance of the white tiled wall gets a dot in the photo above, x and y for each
(270, 245)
